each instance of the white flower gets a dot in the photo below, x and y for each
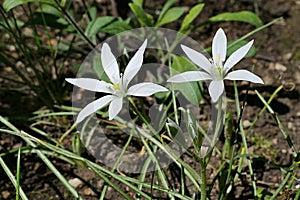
(117, 89)
(214, 70)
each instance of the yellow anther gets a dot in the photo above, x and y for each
(116, 86)
(219, 70)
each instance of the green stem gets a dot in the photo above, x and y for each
(244, 141)
(203, 179)
(219, 123)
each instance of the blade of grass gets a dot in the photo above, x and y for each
(104, 190)
(106, 179)
(244, 141)
(281, 126)
(261, 112)
(12, 178)
(71, 155)
(284, 182)
(44, 159)
(156, 187)
(143, 175)
(161, 174)
(18, 174)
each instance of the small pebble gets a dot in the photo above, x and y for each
(75, 182)
(5, 194)
(287, 56)
(280, 67)
(246, 123)
(89, 192)
(290, 125)
(284, 151)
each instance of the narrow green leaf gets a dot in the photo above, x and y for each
(165, 9)
(12, 178)
(190, 17)
(171, 15)
(175, 133)
(116, 27)
(11, 23)
(49, 9)
(93, 12)
(46, 19)
(138, 2)
(233, 48)
(10, 4)
(190, 90)
(242, 16)
(95, 26)
(18, 174)
(99, 68)
(142, 16)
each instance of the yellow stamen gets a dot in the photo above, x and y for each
(219, 70)
(116, 86)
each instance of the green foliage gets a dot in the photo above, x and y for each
(116, 27)
(191, 90)
(170, 16)
(242, 16)
(10, 4)
(235, 46)
(190, 17)
(143, 17)
(97, 24)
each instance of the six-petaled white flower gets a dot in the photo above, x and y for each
(215, 71)
(117, 88)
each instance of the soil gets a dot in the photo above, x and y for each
(277, 61)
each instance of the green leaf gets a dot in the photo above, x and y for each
(10, 4)
(11, 23)
(116, 27)
(191, 90)
(97, 65)
(190, 17)
(93, 12)
(95, 26)
(46, 19)
(49, 9)
(138, 2)
(235, 47)
(142, 16)
(243, 16)
(165, 8)
(171, 15)
(175, 133)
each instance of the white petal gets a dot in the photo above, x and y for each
(189, 76)
(216, 88)
(134, 65)
(90, 84)
(115, 107)
(197, 58)
(110, 64)
(244, 75)
(219, 46)
(145, 89)
(237, 56)
(93, 107)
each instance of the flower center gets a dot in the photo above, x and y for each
(116, 86)
(217, 69)
(118, 89)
